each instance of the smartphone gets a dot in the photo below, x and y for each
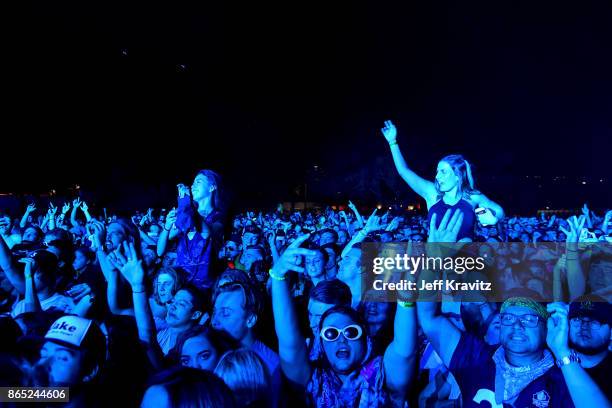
(480, 211)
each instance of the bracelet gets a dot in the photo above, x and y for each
(276, 277)
(167, 229)
(139, 291)
(405, 304)
(393, 143)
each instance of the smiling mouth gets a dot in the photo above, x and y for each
(518, 337)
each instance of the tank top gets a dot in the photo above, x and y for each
(469, 218)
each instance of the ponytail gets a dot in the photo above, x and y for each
(468, 172)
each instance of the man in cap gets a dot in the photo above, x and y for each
(73, 355)
(579, 336)
(519, 372)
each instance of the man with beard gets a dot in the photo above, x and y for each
(580, 340)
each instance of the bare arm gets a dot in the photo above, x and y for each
(169, 232)
(32, 303)
(291, 344)
(11, 271)
(26, 214)
(419, 185)
(400, 356)
(584, 391)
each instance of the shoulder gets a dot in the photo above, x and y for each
(265, 352)
(471, 351)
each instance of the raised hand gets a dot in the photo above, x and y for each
(129, 265)
(76, 203)
(97, 230)
(84, 207)
(389, 131)
(30, 266)
(394, 224)
(585, 210)
(183, 190)
(448, 229)
(373, 223)
(65, 208)
(558, 329)
(170, 219)
(352, 206)
(575, 227)
(52, 210)
(290, 259)
(31, 208)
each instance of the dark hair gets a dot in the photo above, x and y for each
(353, 315)
(190, 387)
(130, 230)
(332, 292)
(252, 229)
(330, 231)
(463, 170)
(87, 253)
(221, 341)
(217, 195)
(198, 299)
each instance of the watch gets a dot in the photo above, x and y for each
(572, 358)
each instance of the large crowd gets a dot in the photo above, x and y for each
(195, 307)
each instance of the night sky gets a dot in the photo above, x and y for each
(140, 95)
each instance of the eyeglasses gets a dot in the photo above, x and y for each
(350, 332)
(578, 321)
(527, 320)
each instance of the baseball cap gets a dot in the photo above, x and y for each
(80, 334)
(591, 306)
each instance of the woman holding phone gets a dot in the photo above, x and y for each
(453, 189)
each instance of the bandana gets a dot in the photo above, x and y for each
(510, 380)
(528, 303)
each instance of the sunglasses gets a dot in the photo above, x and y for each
(350, 332)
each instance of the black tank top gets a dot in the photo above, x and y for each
(469, 218)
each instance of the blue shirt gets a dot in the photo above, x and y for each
(473, 368)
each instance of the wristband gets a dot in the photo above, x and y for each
(139, 291)
(167, 229)
(276, 277)
(405, 305)
(393, 143)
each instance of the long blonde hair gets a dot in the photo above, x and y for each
(246, 375)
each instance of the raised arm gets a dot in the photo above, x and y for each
(584, 391)
(358, 216)
(442, 334)
(132, 269)
(75, 206)
(169, 232)
(419, 185)
(373, 224)
(11, 271)
(576, 280)
(32, 303)
(400, 356)
(24, 220)
(291, 344)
